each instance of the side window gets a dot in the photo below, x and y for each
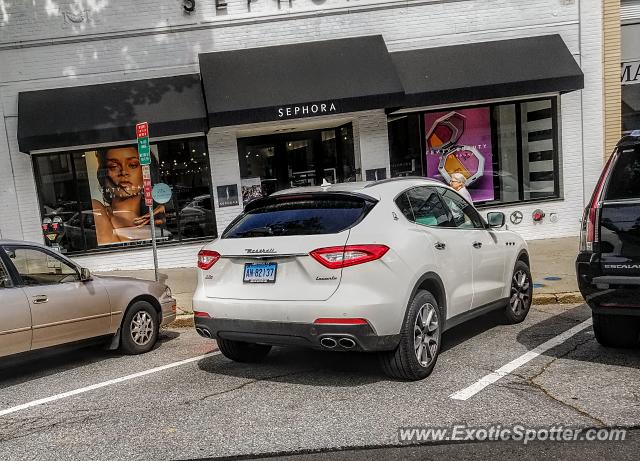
(427, 207)
(405, 207)
(37, 267)
(464, 215)
(5, 279)
(624, 182)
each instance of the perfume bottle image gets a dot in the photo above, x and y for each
(442, 139)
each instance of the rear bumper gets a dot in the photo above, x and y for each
(296, 334)
(614, 295)
(168, 311)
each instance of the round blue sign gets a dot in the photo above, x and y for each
(161, 193)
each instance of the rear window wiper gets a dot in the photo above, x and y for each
(257, 231)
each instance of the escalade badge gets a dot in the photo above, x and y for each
(259, 250)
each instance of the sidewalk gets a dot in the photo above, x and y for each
(552, 264)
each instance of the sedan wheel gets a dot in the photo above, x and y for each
(139, 330)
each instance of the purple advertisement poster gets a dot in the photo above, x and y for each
(459, 141)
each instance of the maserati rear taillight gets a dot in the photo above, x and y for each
(349, 255)
(207, 258)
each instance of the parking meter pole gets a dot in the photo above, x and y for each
(153, 241)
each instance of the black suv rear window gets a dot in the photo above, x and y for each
(299, 215)
(624, 182)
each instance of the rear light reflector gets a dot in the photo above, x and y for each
(349, 255)
(201, 314)
(341, 321)
(207, 258)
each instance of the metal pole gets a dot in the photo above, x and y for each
(153, 241)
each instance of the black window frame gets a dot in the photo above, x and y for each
(124, 246)
(557, 151)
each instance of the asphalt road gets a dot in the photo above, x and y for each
(299, 402)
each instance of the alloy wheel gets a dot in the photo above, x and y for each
(426, 334)
(520, 287)
(142, 328)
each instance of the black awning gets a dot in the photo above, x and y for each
(301, 80)
(95, 114)
(487, 70)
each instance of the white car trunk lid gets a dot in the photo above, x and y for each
(298, 276)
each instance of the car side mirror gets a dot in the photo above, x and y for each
(85, 274)
(496, 219)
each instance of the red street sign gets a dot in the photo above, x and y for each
(148, 197)
(142, 130)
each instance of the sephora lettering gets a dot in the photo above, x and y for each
(306, 110)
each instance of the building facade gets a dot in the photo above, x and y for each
(630, 56)
(245, 98)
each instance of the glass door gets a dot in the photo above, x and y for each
(298, 159)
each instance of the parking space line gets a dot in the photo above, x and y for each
(82, 390)
(491, 378)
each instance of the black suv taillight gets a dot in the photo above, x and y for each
(590, 233)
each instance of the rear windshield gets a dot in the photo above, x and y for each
(624, 182)
(299, 216)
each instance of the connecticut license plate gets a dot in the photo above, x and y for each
(260, 273)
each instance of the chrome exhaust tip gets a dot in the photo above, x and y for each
(347, 343)
(329, 343)
(203, 332)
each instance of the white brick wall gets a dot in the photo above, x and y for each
(42, 47)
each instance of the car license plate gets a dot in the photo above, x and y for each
(260, 273)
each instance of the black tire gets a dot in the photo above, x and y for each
(616, 330)
(134, 342)
(402, 363)
(243, 352)
(520, 295)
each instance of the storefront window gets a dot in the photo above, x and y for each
(98, 195)
(275, 162)
(507, 152)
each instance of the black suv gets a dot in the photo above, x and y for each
(608, 265)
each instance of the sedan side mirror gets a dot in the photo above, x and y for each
(496, 219)
(85, 275)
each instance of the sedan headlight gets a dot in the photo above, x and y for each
(167, 292)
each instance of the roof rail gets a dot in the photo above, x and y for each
(398, 178)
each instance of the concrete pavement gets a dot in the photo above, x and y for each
(301, 401)
(552, 262)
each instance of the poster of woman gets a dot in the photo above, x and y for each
(117, 193)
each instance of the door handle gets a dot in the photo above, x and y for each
(40, 299)
(440, 245)
(477, 244)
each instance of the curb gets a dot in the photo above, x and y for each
(571, 297)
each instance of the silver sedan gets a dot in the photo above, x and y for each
(47, 300)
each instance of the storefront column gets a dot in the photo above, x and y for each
(373, 139)
(9, 225)
(225, 170)
(26, 216)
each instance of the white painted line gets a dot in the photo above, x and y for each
(491, 378)
(82, 390)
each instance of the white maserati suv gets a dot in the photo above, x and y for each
(384, 266)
